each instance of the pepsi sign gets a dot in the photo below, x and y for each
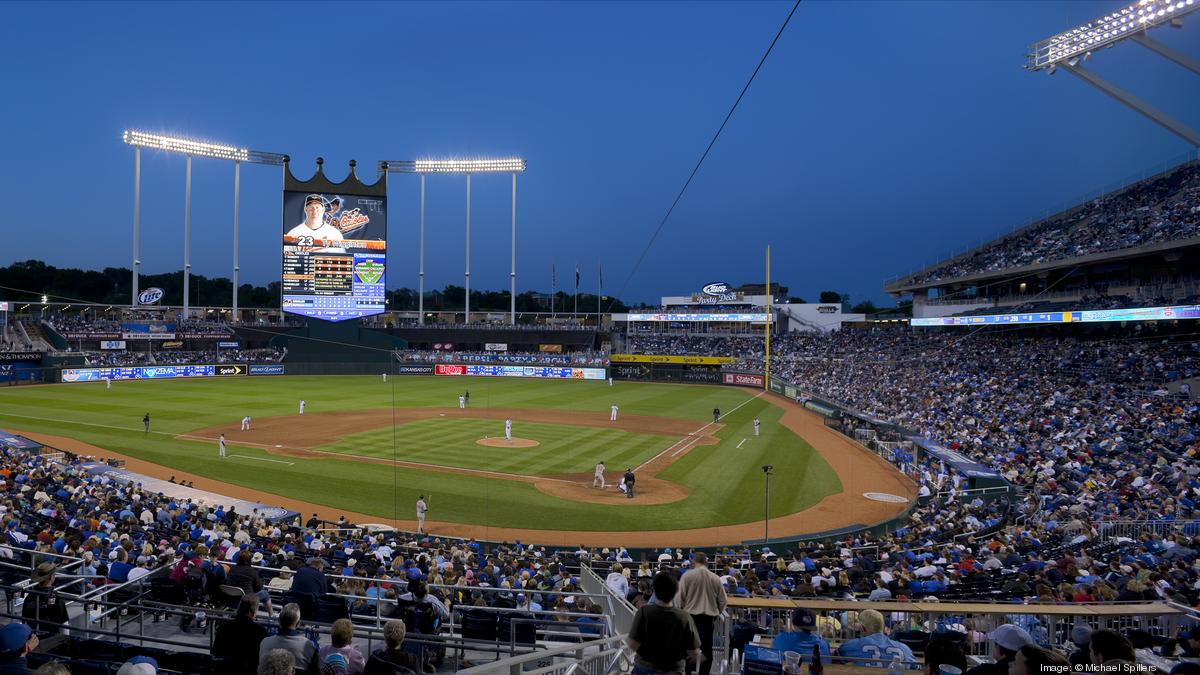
(150, 296)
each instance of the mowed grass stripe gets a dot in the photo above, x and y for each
(725, 485)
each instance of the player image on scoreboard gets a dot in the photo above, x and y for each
(334, 255)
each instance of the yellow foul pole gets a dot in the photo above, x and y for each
(767, 330)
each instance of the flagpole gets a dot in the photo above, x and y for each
(553, 290)
(599, 289)
(575, 312)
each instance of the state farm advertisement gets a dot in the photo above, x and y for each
(445, 369)
(743, 379)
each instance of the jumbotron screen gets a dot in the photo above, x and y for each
(334, 255)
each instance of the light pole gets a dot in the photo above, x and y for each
(191, 148)
(767, 503)
(461, 166)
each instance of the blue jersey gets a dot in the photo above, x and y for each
(801, 642)
(875, 651)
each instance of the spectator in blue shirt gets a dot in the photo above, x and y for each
(802, 639)
(875, 649)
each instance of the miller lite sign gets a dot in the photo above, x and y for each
(150, 296)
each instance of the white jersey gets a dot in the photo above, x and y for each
(508, 425)
(301, 406)
(325, 231)
(600, 469)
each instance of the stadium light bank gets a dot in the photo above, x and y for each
(1069, 48)
(423, 167)
(191, 148)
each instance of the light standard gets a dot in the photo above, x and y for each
(767, 502)
(461, 166)
(191, 148)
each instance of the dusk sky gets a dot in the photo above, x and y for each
(878, 137)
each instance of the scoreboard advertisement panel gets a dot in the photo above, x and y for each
(151, 372)
(334, 255)
(550, 372)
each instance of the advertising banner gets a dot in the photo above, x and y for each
(415, 369)
(172, 344)
(16, 442)
(553, 349)
(227, 369)
(228, 344)
(334, 255)
(147, 336)
(150, 372)
(11, 357)
(1084, 316)
(112, 344)
(683, 318)
(496, 347)
(546, 372)
(655, 358)
(743, 379)
(267, 369)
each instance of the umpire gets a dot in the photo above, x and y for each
(703, 597)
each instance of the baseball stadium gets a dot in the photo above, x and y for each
(337, 474)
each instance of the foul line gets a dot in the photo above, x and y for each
(691, 437)
(264, 459)
(739, 445)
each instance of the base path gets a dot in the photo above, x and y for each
(859, 470)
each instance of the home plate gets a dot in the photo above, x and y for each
(278, 446)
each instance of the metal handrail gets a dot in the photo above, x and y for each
(515, 664)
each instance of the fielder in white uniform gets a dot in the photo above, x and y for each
(508, 430)
(301, 406)
(755, 426)
(422, 507)
(246, 423)
(221, 445)
(599, 476)
(613, 417)
(385, 378)
(610, 380)
(108, 383)
(462, 403)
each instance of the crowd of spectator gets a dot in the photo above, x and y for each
(179, 356)
(1163, 209)
(693, 345)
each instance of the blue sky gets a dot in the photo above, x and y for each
(879, 136)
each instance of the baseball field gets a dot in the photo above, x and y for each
(368, 449)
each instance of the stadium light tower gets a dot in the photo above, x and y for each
(512, 165)
(190, 148)
(1069, 48)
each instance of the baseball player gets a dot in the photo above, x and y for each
(612, 417)
(462, 403)
(467, 396)
(422, 507)
(629, 480)
(246, 423)
(301, 406)
(599, 475)
(716, 415)
(756, 426)
(385, 378)
(107, 382)
(146, 422)
(508, 429)
(221, 445)
(610, 380)
(314, 224)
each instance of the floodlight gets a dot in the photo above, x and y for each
(498, 165)
(1107, 30)
(188, 146)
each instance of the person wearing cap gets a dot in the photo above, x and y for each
(43, 608)
(663, 637)
(875, 644)
(802, 638)
(703, 597)
(1007, 640)
(139, 665)
(314, 224)
(1081, 636)
(238, 640)
(16, 640)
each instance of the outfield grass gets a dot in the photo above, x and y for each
(452, 442)
(725, 482)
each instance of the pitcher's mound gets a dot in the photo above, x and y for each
(499, 442)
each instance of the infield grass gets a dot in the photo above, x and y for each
(725, 482)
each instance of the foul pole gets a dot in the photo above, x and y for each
(767, 330)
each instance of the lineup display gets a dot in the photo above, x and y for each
(334, 255)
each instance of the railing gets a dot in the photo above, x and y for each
(1134, 529)
(619, 608)
(596, 657)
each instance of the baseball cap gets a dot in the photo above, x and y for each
(1081, 635)
(139, 665)
(314, 198)
(1010, 637)
(13, 637)
(803, 618)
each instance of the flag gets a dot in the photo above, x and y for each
(576, 277)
